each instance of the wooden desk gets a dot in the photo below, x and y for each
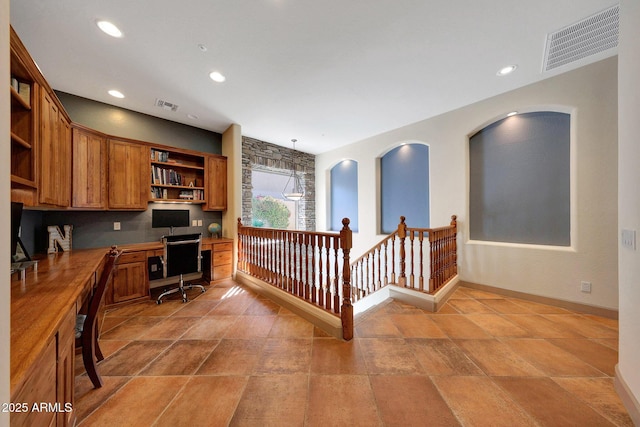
(43, 311)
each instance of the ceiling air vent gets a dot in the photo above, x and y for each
(592, 35)
(166, 105)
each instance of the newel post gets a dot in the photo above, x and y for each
(402, 234)
(346, 311)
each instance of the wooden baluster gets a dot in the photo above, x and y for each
(402, 234)
(411, 242)
(313, 268)
(305, 263)
(274, 257)
(336, 280)
(421, 280)
(393, 260)
(379, 282)
(386, 262)
(320, 275)
(327, 289)
(291, 261)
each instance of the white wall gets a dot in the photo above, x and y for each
(5, 156)
(629, 195)
(590, 95)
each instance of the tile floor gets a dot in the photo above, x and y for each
(230, 357)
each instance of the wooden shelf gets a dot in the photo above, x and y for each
(171, 165)
(20, 141)
(195, 202)
(183, 187)
(22, 181)
(16, 96)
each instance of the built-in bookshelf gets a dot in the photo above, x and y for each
(22, 88)
(177, 176)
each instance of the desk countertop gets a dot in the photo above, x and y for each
(44, 298)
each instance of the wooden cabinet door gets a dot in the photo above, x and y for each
(216, 176)
(64, 161)
(66, 375)
(128, 175)
(89, 170)
(130, 281)
(54, 175)
(40, 386)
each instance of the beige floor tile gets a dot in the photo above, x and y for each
(443, 357)
(285, 356)
(600, 394)
(597, 355)
(341, 400)
(233, 357)
(539, 326)
(195, 308)
(274, 400)
(88, 398)
(550, 359)
(132, 358)
(378, 326)
(459, 326)
(416, 325)
(332, 356)
(210, 327)
(204, 401)
(251, 327)
(469, 306)
(184, 357)
(291, 327)
(497, 325)
(131, 329)
(549, 404)
(391, 356)
(539, 308)
(169, 328)
(137, 403)
(496, 358)
(398, 406)
(504, 306)
(478, 401)
(584, 326)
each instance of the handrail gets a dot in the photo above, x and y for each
(309, 265)
(316, 267)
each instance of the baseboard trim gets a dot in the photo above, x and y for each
(329, 323)
(628, 399)
(570, 305)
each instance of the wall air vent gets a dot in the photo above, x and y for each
(166, 105)
(592, 35)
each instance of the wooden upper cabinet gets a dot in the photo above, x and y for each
(216, 186)
(128, 175)
(54, 177)
(89, 169)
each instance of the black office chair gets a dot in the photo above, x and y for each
(182, 255)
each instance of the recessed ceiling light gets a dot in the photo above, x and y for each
(192, 116)
(513, 113)
(109, 28)
(116, 93)
(202, 47)
(217, 77)
(507, 70)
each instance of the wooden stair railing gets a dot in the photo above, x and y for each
(310, 265)
(316, 266)
(404, 251)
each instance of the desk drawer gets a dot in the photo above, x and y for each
(220, 247)
(222, 272)
(128, 257)
(221, 258)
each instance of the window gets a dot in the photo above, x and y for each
(268, 207)
(519, 188)
(344, 194)
(404, 189)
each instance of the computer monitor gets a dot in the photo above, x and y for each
(161, 218)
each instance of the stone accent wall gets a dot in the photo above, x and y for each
(264, 156)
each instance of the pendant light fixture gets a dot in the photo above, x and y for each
(293, 190)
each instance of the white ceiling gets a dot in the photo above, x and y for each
(327, 72)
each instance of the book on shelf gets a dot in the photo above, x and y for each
(159, 156)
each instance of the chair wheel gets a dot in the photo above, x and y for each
(159, 301)
(184, 300)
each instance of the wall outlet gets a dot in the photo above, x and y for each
(194, 222)
(116, 226)
(199, 223)
(585, 287)
(628, 239)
